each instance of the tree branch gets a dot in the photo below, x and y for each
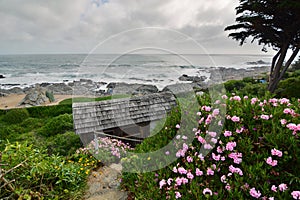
(274, 61)
(289, 62)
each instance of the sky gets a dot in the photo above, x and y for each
(119, 26)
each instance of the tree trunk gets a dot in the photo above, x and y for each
(275, 74)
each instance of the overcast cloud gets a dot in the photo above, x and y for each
(77, 26)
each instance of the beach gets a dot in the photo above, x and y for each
(12, 100)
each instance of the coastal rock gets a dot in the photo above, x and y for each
(179, 88)
(35, 97)
(133, 89)
(3, 94)
(2, 76)
(194, 79)
(259, 62)
(59, 88)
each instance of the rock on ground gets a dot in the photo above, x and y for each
(103, 184)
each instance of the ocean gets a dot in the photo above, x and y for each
(156, 69)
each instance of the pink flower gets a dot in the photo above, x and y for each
(284, 101)
(265, 117)
(206, 108)
(201, 140)
(208, 119)
(235, 119)
(175, 170)
(198, 172)
(215, 112)
(236, 170)
(177, 126)
(212, 134)
(169, 181)
(207, 190)
(220, 149)
(224, 97)
(282, 187)
(177, 195)
(189, 159)
(223, 179)
(216, 157)
(162, 183)
(254, 193)
(230, 146)
(276, 152)
(271, 162)
(227, 187)
(199, 113)
(190, 175)
(181, 170)
(184, 180)
(235, 98)
(210, 171)
(274, 188)
(201, 156)
(178, 181)
(207, 146)
(214, 140)
(227, 133)
(296, 194)
(237, 157)
(283, 121)
(254, 100)
(246, 97)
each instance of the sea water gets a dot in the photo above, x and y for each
(156, 69)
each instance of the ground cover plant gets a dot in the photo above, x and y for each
(255, 157)
(39, 157)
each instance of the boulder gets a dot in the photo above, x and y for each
(35, 97)
(133, 89)
(2, 76)
(194, 79)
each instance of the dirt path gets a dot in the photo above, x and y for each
(103, 184)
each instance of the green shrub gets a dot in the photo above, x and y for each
(57, 125)
(234, 85)
(63, 144)
(16, 116)
(37, 175)
(289, 88)
(49, 111)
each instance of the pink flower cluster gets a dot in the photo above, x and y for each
(255, 193)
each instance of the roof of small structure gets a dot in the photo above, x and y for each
(96, 116)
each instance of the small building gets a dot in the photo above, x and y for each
(121, 118)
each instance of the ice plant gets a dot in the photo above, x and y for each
(255, 193)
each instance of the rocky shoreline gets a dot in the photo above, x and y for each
(86, 87)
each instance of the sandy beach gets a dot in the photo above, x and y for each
(13, 100)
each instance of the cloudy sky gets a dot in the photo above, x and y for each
(117, 26)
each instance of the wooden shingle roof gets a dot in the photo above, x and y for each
(96, 116)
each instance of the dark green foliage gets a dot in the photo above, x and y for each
(50, 96)
(63, 144)
(289, 88)
(234, 85)
(15, 116)
(41, 176)
(57, 125)
(49, 111)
